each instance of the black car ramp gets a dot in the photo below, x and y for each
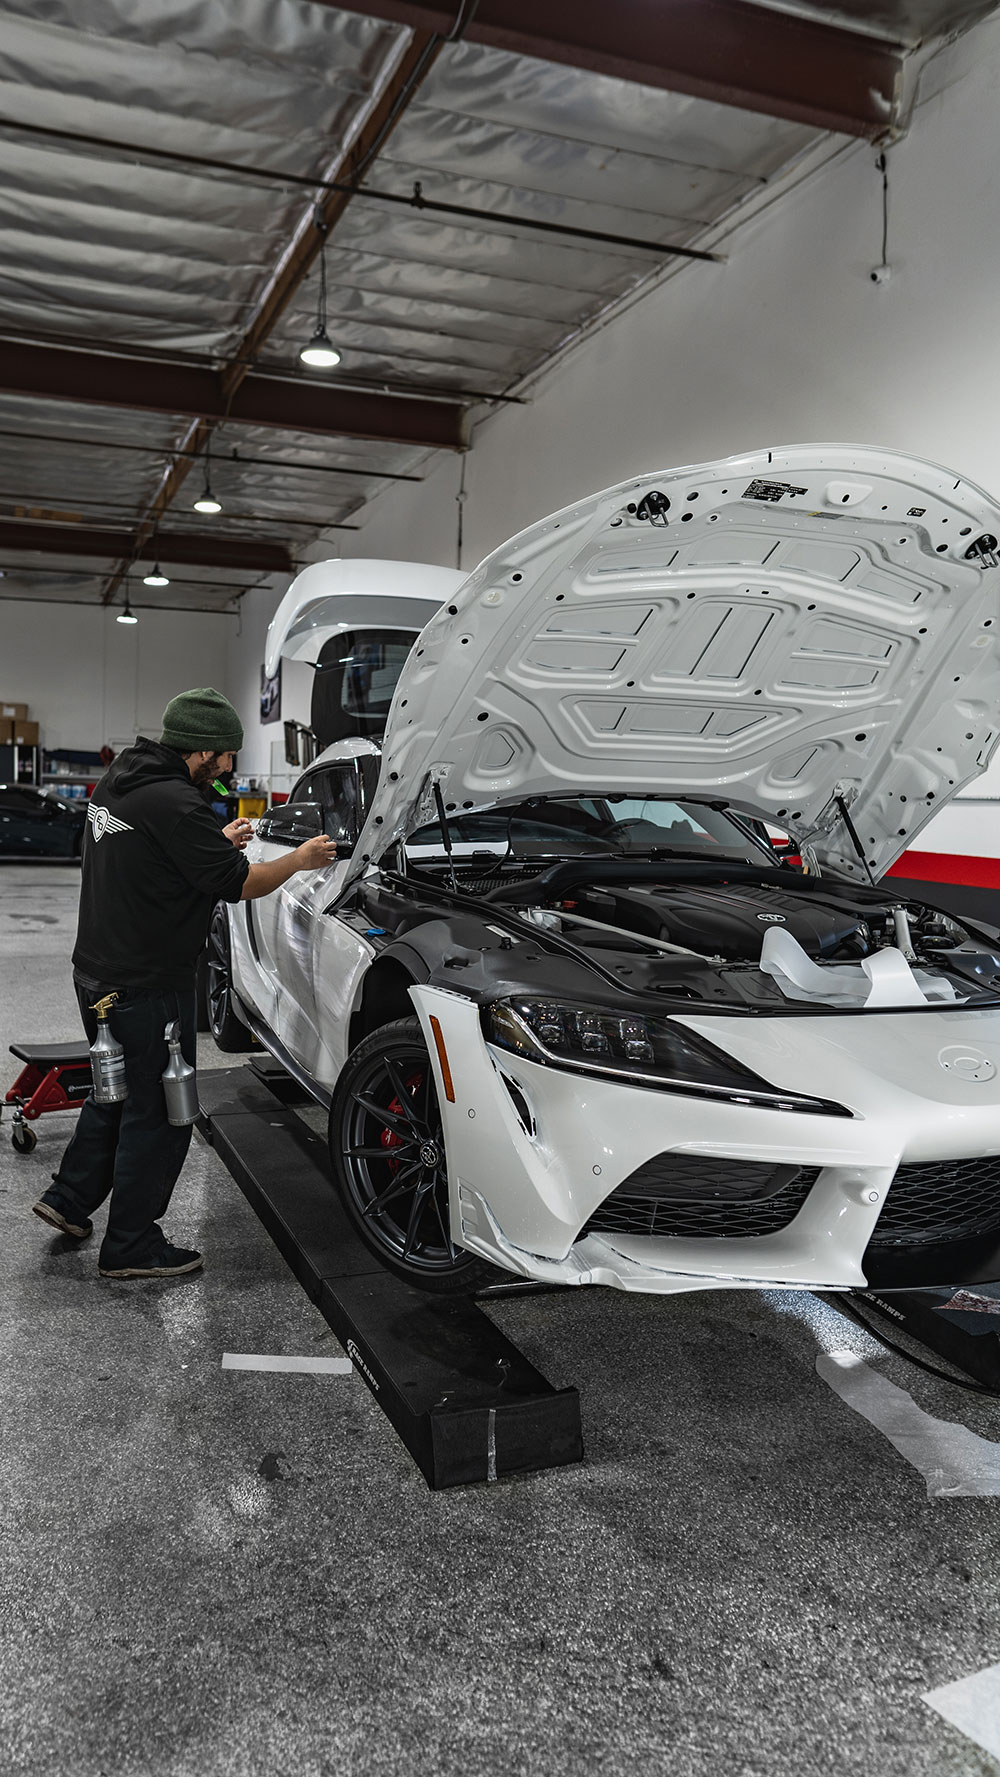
(465, 1401)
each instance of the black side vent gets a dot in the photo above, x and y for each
(520, 1104)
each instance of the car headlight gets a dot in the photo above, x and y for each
(646, 1051)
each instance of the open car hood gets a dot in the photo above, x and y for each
(338, 595)
(786, 632)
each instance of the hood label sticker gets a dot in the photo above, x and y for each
(770, 490)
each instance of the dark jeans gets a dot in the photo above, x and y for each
(129, 1151)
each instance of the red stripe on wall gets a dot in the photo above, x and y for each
(942, 866)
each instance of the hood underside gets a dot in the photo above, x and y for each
(794, 632)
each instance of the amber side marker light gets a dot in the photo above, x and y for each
(449, 1089)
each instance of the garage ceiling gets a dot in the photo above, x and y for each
(163, 164)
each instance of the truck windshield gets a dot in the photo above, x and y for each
(355, 678)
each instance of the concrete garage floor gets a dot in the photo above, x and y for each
(210, 1572)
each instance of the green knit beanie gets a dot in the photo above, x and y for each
(201, 721)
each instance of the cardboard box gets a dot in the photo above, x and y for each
(16, 711)
(6, 731)
(25, 734)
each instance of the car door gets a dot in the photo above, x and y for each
(330, 797)
(25, 828)
(12, 824)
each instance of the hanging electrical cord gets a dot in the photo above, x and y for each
(460, 498)
(881, 273)
(847, 1305)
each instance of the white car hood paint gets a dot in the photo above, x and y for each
(335, 595)
(804, 625)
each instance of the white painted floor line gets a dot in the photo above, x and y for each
(972, 1705)
(306, 1366)
(953, 1460)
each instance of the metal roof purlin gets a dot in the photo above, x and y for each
(729, 51)
(191, 547)
(235, 456)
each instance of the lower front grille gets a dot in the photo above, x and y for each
(950, 1200)
(717, 1214)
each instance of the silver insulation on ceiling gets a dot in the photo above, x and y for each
(109, 246)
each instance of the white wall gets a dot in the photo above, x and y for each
(89, 680)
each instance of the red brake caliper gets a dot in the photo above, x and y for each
(388, 1138)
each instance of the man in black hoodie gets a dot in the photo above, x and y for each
(155, 862)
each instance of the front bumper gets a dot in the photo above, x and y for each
(521, 1196)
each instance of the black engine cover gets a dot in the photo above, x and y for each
(730, 919)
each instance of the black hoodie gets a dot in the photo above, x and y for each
(155, 861)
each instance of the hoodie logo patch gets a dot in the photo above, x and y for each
(102, 822)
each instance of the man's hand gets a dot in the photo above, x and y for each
(263, 879)
(316, 853)
(238, 833)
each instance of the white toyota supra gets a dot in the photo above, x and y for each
(572, 1012)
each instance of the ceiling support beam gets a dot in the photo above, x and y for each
(62, 374)
(730, 51)
(189, 547)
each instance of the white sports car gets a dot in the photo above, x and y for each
(573, 1013)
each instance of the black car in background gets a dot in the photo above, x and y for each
(39, 823)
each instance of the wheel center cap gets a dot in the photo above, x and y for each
(430, 1154)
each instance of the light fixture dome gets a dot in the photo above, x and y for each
(320, 353)
(155, 577)
(207, 502)
(127, 615)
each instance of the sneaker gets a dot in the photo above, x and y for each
(50, 1212)
(172, 1261)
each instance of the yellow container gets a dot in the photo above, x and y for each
(251, 808)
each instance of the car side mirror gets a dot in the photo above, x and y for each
(291, 823)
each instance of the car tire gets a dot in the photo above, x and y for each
(385, 1109)
(203, 1018)
(228, 1029)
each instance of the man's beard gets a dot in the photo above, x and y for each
(203, 775)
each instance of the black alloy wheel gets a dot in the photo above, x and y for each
(387, 1150)
(231, 1034)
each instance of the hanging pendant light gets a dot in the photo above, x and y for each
(127, 615)
(155, 577)
(206, 501)
(320, 353)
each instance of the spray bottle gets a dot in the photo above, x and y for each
(180, 1088)
(107, 1057)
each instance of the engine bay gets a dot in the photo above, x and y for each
(699, 931)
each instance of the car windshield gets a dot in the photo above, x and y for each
(582, 825)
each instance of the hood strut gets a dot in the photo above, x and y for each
(855, 841)
(445, 836)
